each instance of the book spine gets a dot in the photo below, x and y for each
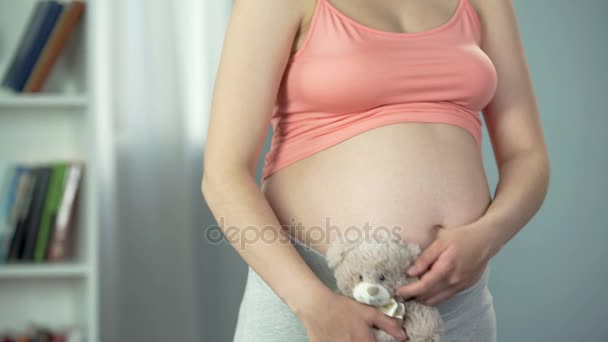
(10, 195)
(49, 212)
(27, 40)
(8, 191)
(58, 245)
(7, 185)
(42, 35)
(33, 227)
(65, 26)
(19, 232)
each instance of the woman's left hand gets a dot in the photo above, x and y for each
(458, 257)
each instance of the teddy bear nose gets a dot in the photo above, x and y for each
(373, 290)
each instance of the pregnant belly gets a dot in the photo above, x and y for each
(409, 179)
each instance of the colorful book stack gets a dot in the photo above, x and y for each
(37, 211)
(39, 333)
(45, 35)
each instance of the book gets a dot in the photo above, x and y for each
(20, 229)
(36, 332)
(35, 214)
(9, 179)
(65, 25)
(18, 210)
(37, 33)
(49, 213)
(39, 224)
(8, 185)
(58, 246)
(26, 41)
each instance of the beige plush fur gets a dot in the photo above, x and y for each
(380, 264)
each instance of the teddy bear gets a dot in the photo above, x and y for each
(370, 270)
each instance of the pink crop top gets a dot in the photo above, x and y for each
(348, 78)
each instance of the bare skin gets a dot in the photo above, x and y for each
(425, 179)
(408, 178)
(411, 178)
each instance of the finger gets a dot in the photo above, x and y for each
(434, 279)
(389, 324)
(425, 259)
(438, 277)
(439, 297)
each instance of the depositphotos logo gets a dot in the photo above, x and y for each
(245, 235)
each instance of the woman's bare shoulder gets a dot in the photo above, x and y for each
(274, 8)
(512, 116)
(257, 44)
(487, 8)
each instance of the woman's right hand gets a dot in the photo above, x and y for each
(340, 318)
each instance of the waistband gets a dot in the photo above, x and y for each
(472, 299)
(317, 263)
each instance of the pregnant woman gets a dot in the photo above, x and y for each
(376, 109)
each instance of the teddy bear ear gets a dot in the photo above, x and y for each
(337, 251)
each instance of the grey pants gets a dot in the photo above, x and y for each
(264, 317)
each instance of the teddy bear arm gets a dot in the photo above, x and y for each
(422, 321)
(382, 336)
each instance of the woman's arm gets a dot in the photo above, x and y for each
(513, 122)
(459, 255)
(257, 45)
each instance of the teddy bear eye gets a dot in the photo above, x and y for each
(382, 278)
(360, 277)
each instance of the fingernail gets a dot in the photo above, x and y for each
(412, 270)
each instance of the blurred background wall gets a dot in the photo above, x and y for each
(549, 282)
(163, 280)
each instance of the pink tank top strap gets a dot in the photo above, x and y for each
(473, 19)
(339, 18)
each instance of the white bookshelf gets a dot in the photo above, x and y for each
(57, 124)
(44, 271)
(44, 101)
